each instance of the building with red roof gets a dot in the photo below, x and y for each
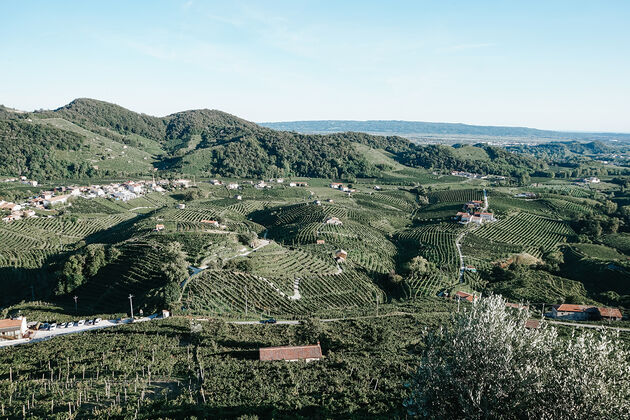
(308, 353)
(465, 296)
(570, 311)
(609, 313)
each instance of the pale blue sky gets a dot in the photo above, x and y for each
(545, 64)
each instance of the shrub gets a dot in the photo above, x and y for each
(487, 365)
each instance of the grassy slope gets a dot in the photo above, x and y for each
(106, 153)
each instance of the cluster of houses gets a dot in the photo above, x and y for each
(471, 175)
(124, 191)
(584, 312)
(339, 186)
(22, 179)
(15, 211)
(473, 213)
(258, 184)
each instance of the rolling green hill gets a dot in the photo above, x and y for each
(109, 140)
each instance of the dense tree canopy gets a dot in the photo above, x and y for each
(486, 364)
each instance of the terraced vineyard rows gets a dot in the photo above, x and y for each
(136, 271)
(427, 285)
(219, 292)
(528, 231)
(455, 196)
(273, 260)
(385, 200)
(346, 290)
(435, 242)
(215, 292)
(54, 233)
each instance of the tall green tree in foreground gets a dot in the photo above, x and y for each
(487, 365)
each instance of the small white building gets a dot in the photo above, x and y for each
(181, 206)
(134, 188)
(12, 329)
(232, 186)
(56, 200)
(182, 183)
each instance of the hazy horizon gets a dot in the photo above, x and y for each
(551, 66)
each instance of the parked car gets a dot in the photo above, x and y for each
(52, 326)
(268, 321)
(81, 322)
(44, 326)
(89, 322)
(63, 325)
(97, 321)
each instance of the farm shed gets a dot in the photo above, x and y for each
(291, 353)
(12, 329)
(532, 324)
(574, 312)
(465, 296)
(609, 313)
(341, 255)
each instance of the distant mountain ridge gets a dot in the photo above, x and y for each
(419, 128)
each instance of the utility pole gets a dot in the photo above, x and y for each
(75, 303)
(131, 304)
(458, 299)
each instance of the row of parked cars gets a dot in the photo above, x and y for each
(54, 325)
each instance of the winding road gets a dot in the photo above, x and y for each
(458, 241)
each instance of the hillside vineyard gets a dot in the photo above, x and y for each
(152, 258)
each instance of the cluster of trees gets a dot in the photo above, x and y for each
(487, 365)
(26, 149)
(561, 150)
(443, 158)
(108, 120)
(175, 269)
(80, 267)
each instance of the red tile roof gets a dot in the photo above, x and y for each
(532, 323)
(464, 295)
(609, 312)
(291, 352)
(10, 323)
(565, 307)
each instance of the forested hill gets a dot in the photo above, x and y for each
(108, 140)
(419, 128)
